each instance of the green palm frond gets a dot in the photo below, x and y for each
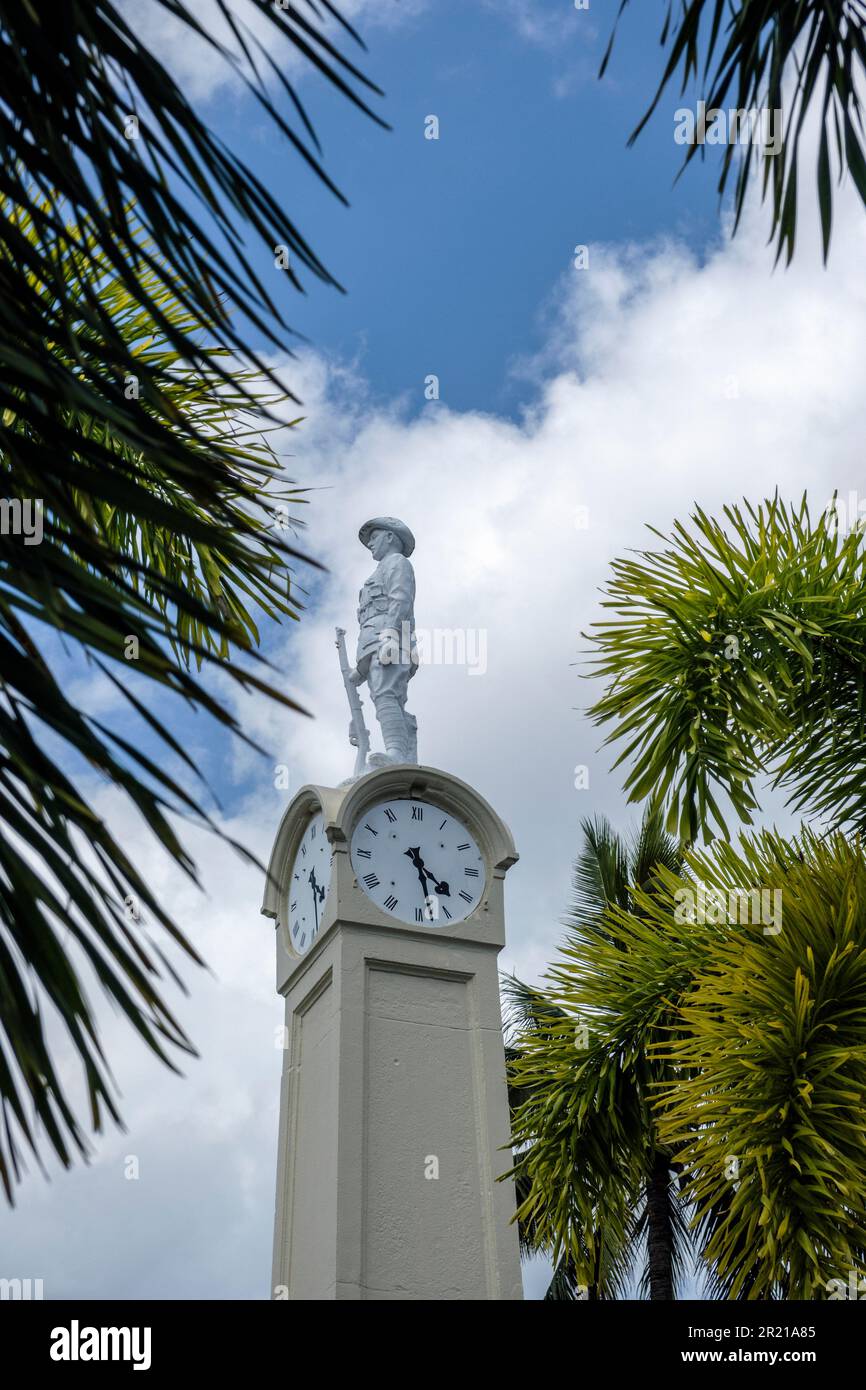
(135, 419)
(653, 848)
(735, 651)
(776, 56)
(601, 871)
(527, 1008)
(146, 571)
(766, 1113)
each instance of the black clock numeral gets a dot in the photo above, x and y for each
(390, 814)
(391, 903)
(419, 914)
(471, 873)
(445, 910)
(466, 846)
(444, 823)
(371, 880)
(296, 927)
(370, 828)
(303, 851)
(364, 853)
(313, 830)
(467, 897)
(293, 905)
(303, 941)
(417, 812)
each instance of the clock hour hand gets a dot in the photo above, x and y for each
(424, 874)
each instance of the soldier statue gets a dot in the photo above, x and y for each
(387, 656)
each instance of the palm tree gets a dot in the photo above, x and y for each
(597, 1188)
(764, 1071)
(134, 422)
(749, 56)
(729, 1048)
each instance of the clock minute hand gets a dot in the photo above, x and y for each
(318, 894)
(415, 856)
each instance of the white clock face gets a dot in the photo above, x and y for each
(308, 886)
(418, 863)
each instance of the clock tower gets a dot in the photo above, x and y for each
(387, 895)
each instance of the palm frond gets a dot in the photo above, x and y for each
(737, 651)
(601, 871)
(753, 56)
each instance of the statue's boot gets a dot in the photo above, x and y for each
(412, 746)
(394, 731)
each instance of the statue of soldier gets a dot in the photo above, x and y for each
(387, 656)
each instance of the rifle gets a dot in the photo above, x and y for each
(359, 728)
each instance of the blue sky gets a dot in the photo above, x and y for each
(452, 248)
(678, 368)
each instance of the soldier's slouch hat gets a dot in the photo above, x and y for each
(388, 523)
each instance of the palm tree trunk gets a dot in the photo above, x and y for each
(660, 1228)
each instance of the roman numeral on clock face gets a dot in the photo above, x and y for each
(467, 897)
(391, 903)
(471, 873)
(371, 880)
(363, 854)
(390, 814)
(417, 812)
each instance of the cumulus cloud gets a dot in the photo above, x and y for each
(668, 380)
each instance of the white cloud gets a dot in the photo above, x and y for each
(668, 381)
(538, 24)
(204, 73)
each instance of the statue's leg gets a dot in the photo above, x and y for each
(387, 686)
(412, 727)
(411, 721)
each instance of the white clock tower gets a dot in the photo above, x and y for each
(387, 894)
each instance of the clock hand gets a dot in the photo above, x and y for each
(318, 895)
(414, 855)
(424, 873)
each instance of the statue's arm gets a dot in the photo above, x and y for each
(401, 593)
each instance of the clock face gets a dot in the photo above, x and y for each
(418, 863)
(308, 885)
